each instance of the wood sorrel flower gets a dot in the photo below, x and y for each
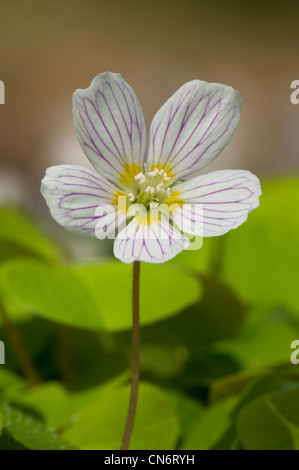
(186, 134)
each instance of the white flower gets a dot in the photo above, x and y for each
(186, 134)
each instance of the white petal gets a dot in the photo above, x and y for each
(109, 221)
(73, 194)
(110, 125)
(189, 219)
(193, 127)
(155, 243)
(224, 198)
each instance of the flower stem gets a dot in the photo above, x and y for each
(20, 349)
(135, 358)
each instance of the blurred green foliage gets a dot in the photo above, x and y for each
(216, 329)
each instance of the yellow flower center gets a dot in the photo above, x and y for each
(149, 188)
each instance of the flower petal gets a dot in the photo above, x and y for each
(189, 218)
(110, 125)
(224, 198)
(193, 127)
(153, 243)
(73, 194)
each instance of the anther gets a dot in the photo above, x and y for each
(153, 173)
(150, 189)
(132, 197)
(140, 177)
(159, 187)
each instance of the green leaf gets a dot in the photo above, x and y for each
(53, 402)
(58, 406)
(214, 423)
(257, 387)
(31, 433)
(188, 410)
(55, 293)
(261, 257)
(216, 426)
(164, 291)
(8, 379)
(264, 346)
(95, 297)
(271, 422)
(20, 235)
(233, 385)
(101, 425)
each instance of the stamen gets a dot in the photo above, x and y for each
(140, 177)
(132, 197)
(150, 189)
(153, 173)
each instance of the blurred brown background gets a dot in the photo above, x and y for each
(48, 49)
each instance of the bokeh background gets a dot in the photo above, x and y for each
(214, 361)
(49, 49)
